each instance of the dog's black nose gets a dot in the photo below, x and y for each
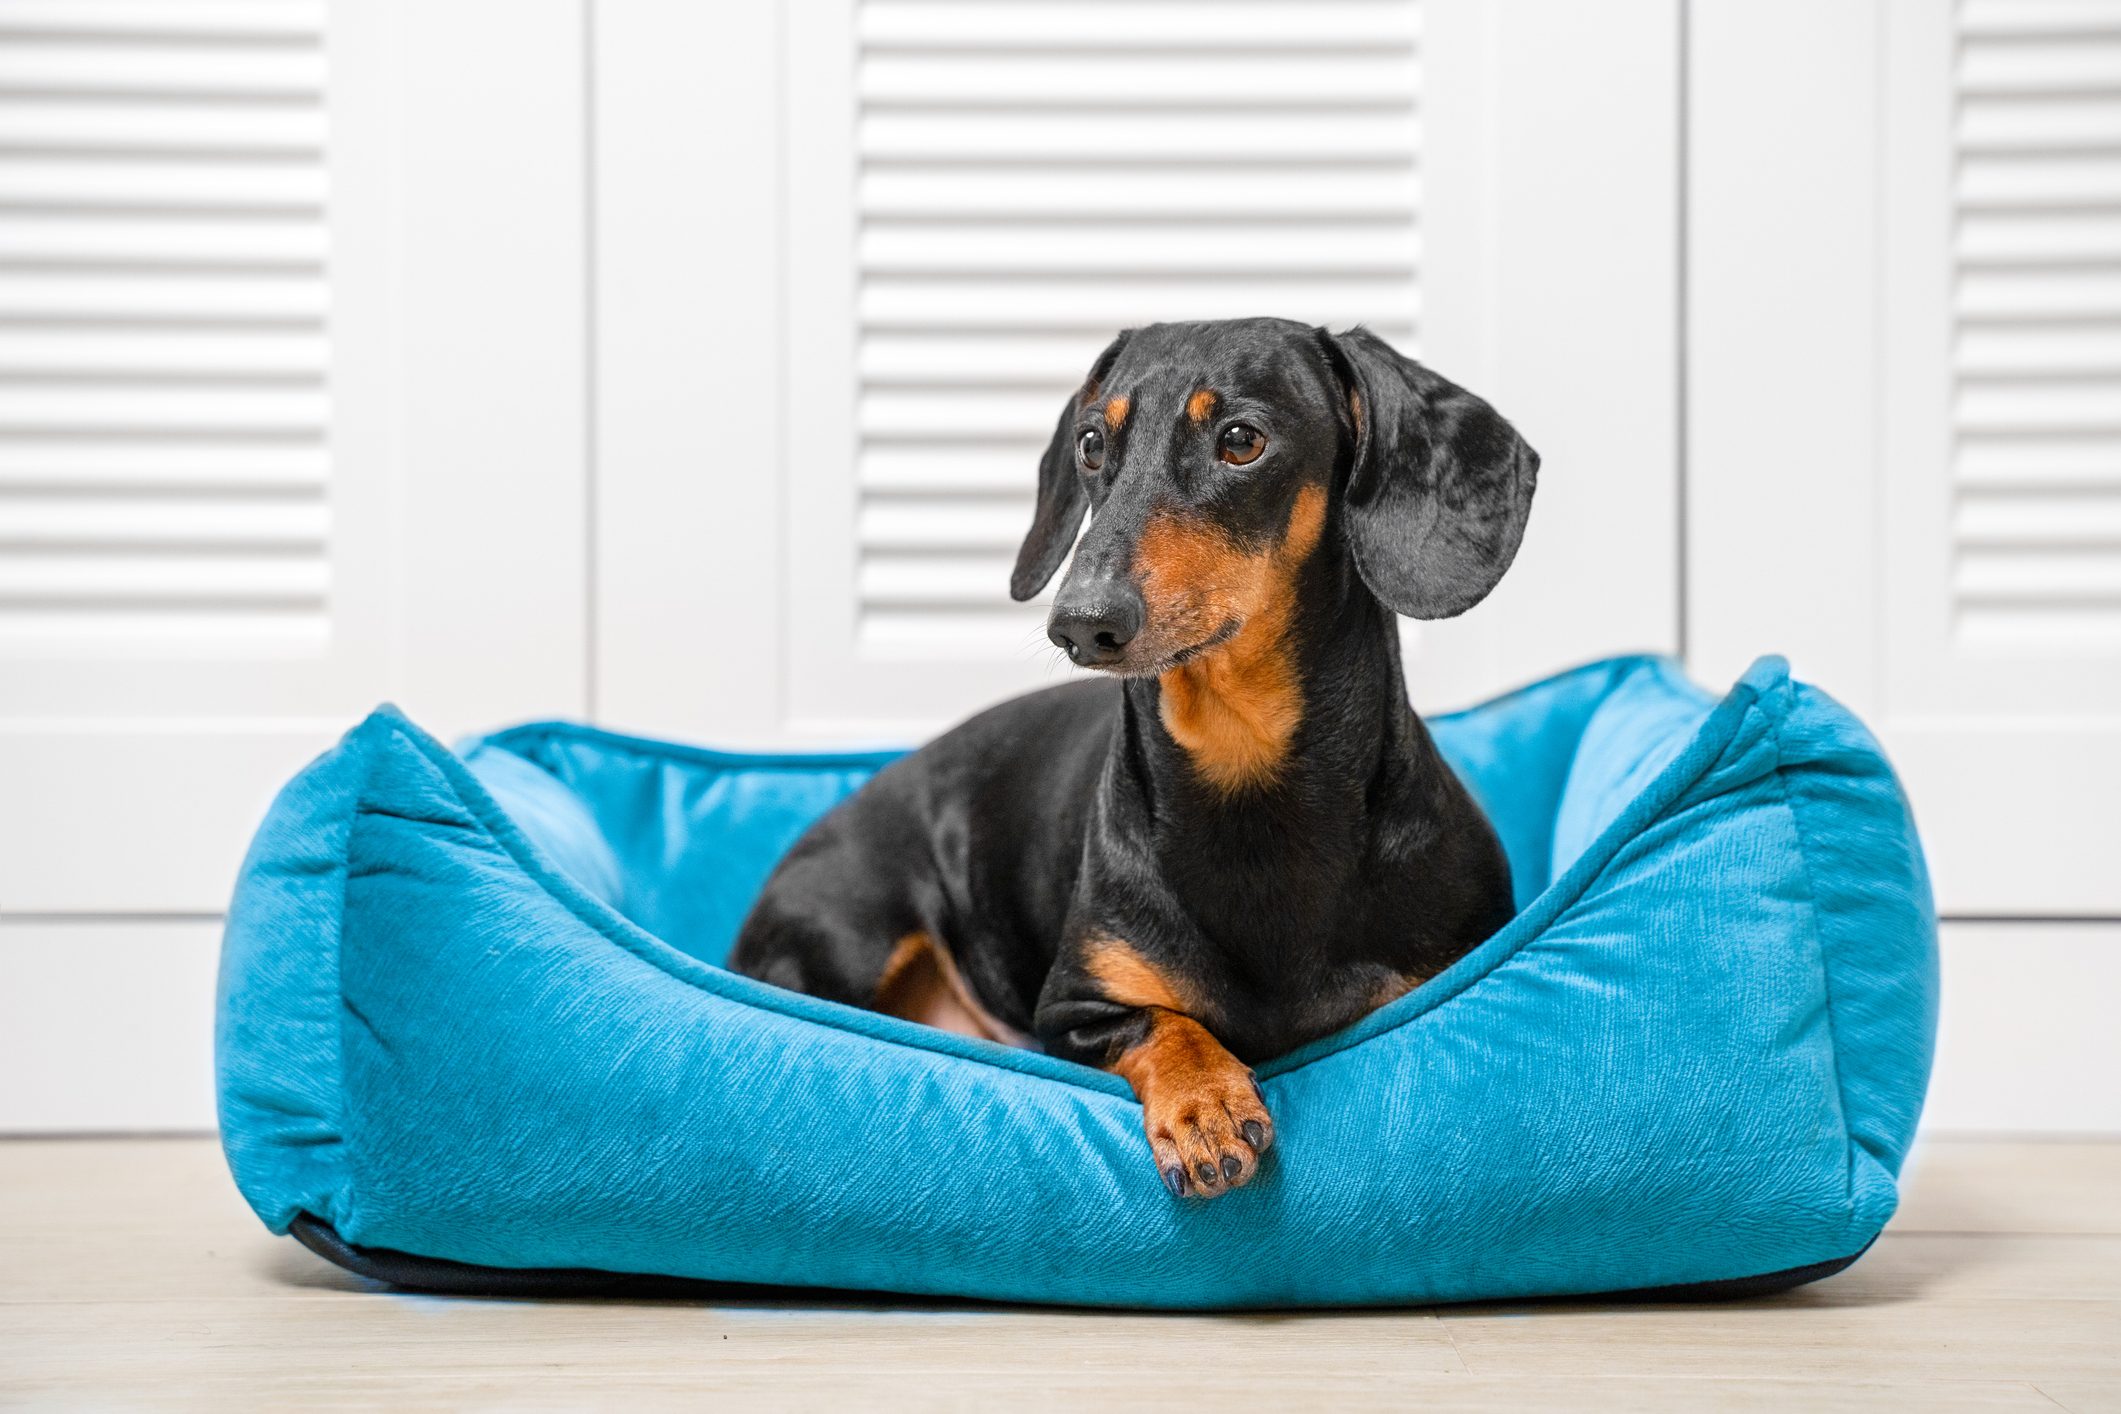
(1096, 633)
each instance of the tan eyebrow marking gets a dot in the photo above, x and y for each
(1201, 404)
(1116, 412)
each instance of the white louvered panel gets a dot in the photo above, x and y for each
(51, 54)
(1126, 27)
(1034, 177)
(170, 356)
(164, 389)
(1092, 189)
(2036, 529)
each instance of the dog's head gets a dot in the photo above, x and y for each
(1216, 456)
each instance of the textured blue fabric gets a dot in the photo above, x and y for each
(469, 1009)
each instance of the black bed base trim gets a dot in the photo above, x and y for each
(446, 1278)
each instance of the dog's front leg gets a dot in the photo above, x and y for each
(1207, 1123)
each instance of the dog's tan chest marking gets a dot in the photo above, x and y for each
(1235, 708)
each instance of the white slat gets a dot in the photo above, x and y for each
(944, 524)
(123, 298)
(954, 414)
(41, 182)
(1105, 139)
(2055, 351)
(245, 412)
(1110, 26)
(2039, 67)
(2040, 576)
(954, 581)
(996, 630)
(2012, 238)
(1250, 79)
(2001, 125)
(2037, 463)
(164, 361)
(251, 21)
(288, 131)
(155, 467)
(167, 522)
(2036, 526)
(155, 580)
(1034, 177)
(2044, 406)
(899, 302)
(177, 68)
(2082, 519)
(939, 468)
(1053, 361)
(2036, 19)
(1386, 250)
(171, 355)
(1201, 194)
(294, 244)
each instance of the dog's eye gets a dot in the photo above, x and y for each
(1242, 444)
(1091, 448)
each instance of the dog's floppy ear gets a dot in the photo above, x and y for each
(1061, 501)
(1439, 486)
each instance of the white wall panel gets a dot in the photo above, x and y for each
(292, 410)
(690, 398)
(1904, 414)
(1552, 284)
(107, 1026)
(164, 292)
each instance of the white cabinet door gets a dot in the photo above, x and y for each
(1905, 467)
(291, 410)
(818, 439)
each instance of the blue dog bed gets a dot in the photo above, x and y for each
(472, 1037)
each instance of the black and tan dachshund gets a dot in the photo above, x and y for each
(1246, 841)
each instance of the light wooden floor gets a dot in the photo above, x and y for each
(131, 1274)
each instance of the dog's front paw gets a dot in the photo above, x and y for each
(1208, 1128)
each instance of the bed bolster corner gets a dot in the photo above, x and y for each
(276, 1022)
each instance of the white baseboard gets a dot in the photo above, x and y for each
(107, 1026)
(2027, 1042)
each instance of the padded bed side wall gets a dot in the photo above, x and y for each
(276, 1027)
(1877, 919)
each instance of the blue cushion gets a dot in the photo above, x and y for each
(470, 1009)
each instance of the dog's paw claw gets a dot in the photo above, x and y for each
(1209, 1134)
